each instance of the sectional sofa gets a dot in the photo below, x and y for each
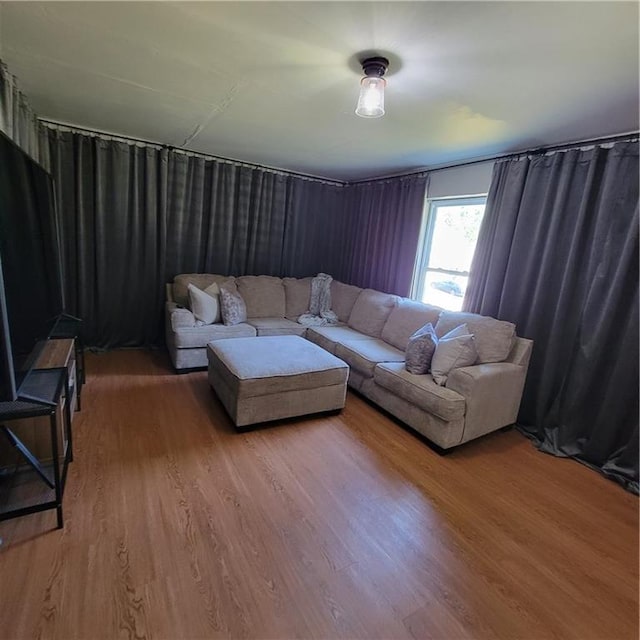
(371, 337)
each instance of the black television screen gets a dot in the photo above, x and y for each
(32, 297)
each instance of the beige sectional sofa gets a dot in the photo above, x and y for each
(371, 338)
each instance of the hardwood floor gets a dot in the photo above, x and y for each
(344, 526)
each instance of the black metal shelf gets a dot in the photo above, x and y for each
(48, 386)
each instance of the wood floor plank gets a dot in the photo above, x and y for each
(338, 526)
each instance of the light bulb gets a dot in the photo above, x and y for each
(371, 100)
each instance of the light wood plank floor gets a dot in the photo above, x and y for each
(343, 526)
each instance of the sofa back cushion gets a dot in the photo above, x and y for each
(405, 319)
(343, 297)
(371, 310)
(297, 294)
(493, 338)
(201, 280)
(263, 295)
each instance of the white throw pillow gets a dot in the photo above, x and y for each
(205, 305)
(454, 350)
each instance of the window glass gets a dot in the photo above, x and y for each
(449, 239)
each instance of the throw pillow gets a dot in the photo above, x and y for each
(232, 306)
(204, 304)
(213, 289)
(420, 349)
(454, 350)
(460, 330)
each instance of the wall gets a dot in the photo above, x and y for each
(465, 180)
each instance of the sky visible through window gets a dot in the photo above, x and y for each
(455, 236)
(448, 251)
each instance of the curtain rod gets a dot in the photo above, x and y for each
(52, 124)
(631, 136)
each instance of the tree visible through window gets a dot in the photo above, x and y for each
(449, 239)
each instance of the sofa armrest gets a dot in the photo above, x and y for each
(492, 393)
(179, 317)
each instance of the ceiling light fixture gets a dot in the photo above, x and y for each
(371, 100)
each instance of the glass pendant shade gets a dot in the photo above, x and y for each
(371, 100)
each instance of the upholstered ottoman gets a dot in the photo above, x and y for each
(274, 377)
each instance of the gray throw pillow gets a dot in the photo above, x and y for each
(454, 350)
(232, 306)
(420, 349)
(205, 304)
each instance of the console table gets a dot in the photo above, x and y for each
(56, 383)
(71, 327)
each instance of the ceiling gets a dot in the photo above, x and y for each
(276, 83)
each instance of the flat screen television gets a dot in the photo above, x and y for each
(31, 291)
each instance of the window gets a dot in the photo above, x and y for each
(450, 233)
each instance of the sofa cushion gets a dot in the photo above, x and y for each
(194, 337)
(364, 355)
(420, 349)
(454, 350)
(232, 306)
(297, 295)
(493, 338)
(343, 297)
(405, 319)
(421, 391)
(276, 327)
(205, 305)
(263, 295)
(328, 337)
(180, 293)
(371, 310)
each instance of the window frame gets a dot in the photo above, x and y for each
(426, 238)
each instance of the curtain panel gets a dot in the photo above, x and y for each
(112, 200)
(17, 119)
(310, 242)
(380, 229)
(558, 255)
(224, 218)
(239, 220)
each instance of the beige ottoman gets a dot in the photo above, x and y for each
(274, 377)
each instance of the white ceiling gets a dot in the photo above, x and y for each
(276, 82)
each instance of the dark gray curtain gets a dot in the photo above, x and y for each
(17, 119)
(224, 218)
(380, 228)
(111, 205)
(248, 216)
(238, 220)
(133, 217)
(558, 255)
(310, 241)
